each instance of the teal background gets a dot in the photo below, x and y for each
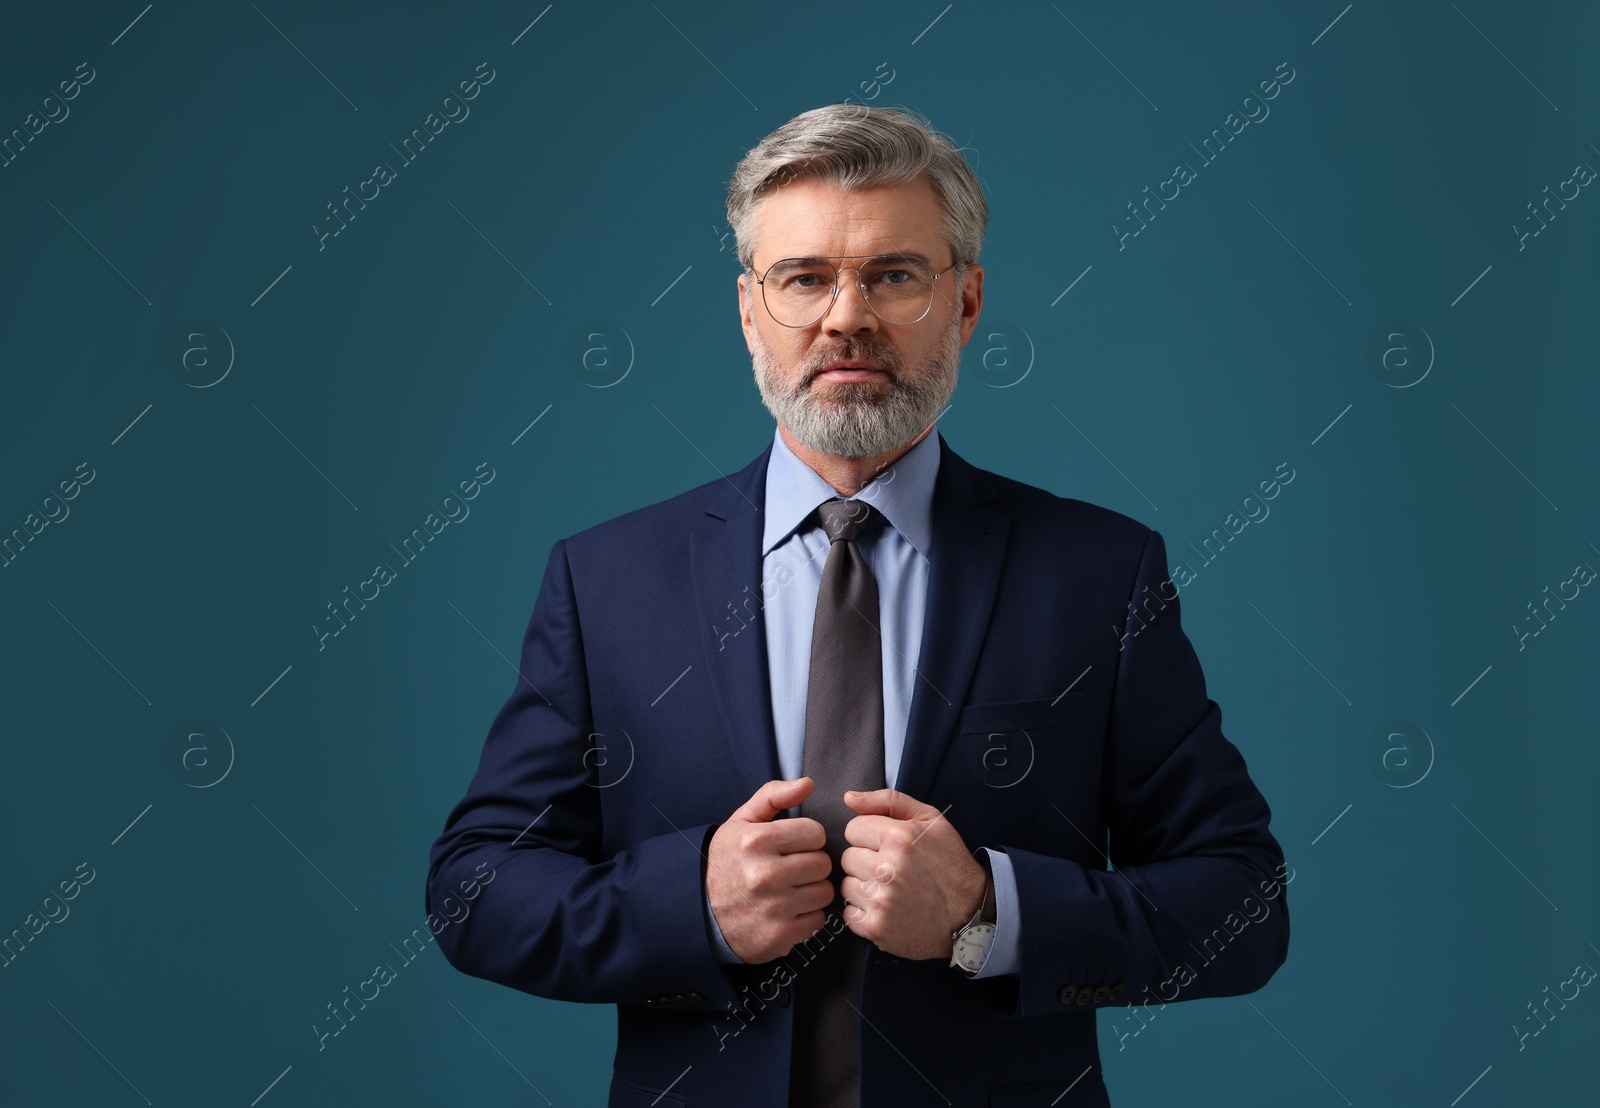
(584, 195)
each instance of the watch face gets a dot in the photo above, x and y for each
(973, 945)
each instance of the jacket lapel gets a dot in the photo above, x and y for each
(969, 544)
(725, 557)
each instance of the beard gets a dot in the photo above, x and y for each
(861, 419)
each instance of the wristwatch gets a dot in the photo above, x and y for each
(973, 939)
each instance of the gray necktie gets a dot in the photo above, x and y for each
(843, 750)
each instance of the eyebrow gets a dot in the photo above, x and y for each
(892, 255)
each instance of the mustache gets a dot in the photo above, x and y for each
(884, 361)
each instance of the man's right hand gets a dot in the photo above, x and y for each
(767, 878)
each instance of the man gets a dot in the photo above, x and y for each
(684, 802)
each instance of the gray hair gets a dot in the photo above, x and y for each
(861, 146)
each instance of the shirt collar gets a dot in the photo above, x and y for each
(903, 493)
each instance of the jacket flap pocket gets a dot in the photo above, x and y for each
(1000, 716)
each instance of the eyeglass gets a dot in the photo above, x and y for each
(898, 288)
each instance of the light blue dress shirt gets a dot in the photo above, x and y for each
(898, 552)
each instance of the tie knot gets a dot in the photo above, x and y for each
(847, 519)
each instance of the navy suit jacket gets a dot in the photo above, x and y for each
(1061, 716)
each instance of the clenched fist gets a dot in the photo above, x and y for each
(909, 879)
(767, 878)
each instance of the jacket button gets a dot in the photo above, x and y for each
(1102, 994)
(783, 995)
(696, 998)
(1085, 995)
(1068, 994)
(1116, 991)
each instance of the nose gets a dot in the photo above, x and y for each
(849, 313)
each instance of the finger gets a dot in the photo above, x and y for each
(771, 799)
(789, 836)
(889, 802)
(868, 831)
(868, 894)
(859, 861)
(812, 921)
(804, 868)
(802, 833)
(815, 896)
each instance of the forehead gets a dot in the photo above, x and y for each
(819, 218)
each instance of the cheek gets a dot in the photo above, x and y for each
(781, 357)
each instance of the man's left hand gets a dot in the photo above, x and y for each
(908, 876)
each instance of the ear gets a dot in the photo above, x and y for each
(746, 300)
(971, 301)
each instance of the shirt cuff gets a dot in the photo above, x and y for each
(1005, 952)
(719, 946)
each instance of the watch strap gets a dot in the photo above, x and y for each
(987, 908)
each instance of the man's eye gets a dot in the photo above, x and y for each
(805, 280)
(890, 277)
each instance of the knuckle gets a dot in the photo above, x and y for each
(759, 874)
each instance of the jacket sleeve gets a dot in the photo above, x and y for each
(1193, 904)
(552, 916)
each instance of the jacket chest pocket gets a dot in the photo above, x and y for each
(999, 743)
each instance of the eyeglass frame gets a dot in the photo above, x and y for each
(838, 276)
